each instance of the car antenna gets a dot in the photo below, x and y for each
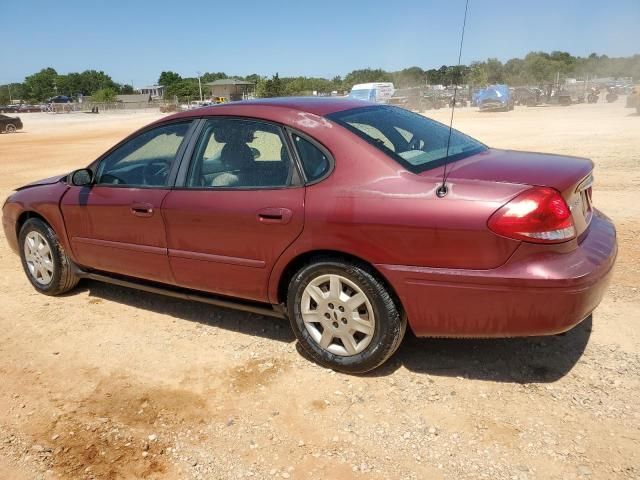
(442, 190)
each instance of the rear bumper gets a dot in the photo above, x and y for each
(542, 294)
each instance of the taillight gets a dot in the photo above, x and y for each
(538, 215)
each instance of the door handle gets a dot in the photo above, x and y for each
(274, 215)
(142, 209)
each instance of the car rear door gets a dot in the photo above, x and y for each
(115, 225)
(236, 207)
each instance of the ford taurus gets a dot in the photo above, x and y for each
(352, 219)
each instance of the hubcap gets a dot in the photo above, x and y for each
(337, 315)
(37, 254)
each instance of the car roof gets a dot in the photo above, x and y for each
(315, 105)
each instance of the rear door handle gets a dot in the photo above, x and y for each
(274, 215)
(142, 209)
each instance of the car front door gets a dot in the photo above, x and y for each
(115, 224)
(238, 206)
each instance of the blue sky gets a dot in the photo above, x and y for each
(134, 40)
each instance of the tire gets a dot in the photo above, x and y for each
(10, 128)
(380, 324)
(50, 271)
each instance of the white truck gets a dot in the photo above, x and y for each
(377, 92)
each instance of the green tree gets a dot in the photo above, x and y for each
(409, 77)
(495, 73)
(272, 87)
(168, 78)
(366, 75)
(185, 90)
(4, 95)
(213, 76)
(477, 75)
(104, 95)
(41, 85)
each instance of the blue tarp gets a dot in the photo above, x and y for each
(500, 93)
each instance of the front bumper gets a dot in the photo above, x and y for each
(538, 294)
(9, 227)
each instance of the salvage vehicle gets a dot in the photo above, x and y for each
(494, 98)
(351, 219)
(408, 98)
(528, 96)
(10, 124)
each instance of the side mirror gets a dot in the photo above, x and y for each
(256, 153)
(81, 178)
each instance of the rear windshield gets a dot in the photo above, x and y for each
(416, 142)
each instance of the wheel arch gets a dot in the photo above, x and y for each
(26, 215)
(297, 262)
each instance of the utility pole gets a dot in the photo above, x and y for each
(199, 85)
(9, 87)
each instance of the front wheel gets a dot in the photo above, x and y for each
(343, 316)
(10, 128)
(45, 262)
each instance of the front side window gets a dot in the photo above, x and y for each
(314, 163)
(416, 142)
(238, 153)
(144, 161)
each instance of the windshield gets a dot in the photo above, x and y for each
(363, 94)
(416, 142)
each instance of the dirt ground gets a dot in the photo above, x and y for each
(110, 383)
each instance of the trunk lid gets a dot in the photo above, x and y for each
(571, 176)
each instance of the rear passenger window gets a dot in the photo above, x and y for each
(239, 153)
(314, 163)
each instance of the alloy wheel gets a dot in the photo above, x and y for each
(337, 315)
(39, 258)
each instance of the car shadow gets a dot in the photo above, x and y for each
(515, 360)
(192, 311)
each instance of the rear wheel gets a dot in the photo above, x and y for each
(45, 262)
(10, 128)
(343, 316)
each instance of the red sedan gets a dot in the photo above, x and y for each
(330, 212)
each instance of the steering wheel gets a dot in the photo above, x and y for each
(155, 173)
(111, 179)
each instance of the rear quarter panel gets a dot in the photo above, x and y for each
(372, 208)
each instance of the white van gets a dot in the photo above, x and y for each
(379, 92)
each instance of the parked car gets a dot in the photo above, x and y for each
(10, 124)
(9, 108)
(330, 212)
(60, 99)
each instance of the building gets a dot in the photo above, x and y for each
(231, 89)
(156, 91)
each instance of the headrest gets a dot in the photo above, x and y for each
(234, 134)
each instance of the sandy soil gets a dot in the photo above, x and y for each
(110, 383)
